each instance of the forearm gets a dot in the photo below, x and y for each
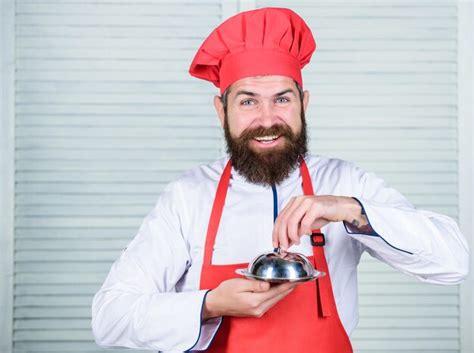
(146, 321)
(422, 243)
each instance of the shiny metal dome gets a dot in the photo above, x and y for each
(281, 266)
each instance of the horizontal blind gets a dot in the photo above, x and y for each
(106, 115)
(383, 94)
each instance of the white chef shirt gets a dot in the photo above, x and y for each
(151, 297)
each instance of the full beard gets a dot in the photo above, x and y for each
(267, 167)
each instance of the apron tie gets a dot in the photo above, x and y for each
(318, 241)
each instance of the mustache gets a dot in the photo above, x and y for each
(280, 130)
(267, 167)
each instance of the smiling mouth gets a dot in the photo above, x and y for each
(266, 139)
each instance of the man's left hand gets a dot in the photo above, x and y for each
(305, 213)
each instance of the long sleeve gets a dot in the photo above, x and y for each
(421, 243)
(138, 305)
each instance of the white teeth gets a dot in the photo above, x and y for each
(266, 138)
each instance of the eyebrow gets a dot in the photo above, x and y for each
(288, 90)
(253, 94)
(246, 93)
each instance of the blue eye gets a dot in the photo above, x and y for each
(247, 102)
(282, 100)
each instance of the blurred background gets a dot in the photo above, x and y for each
(98, 114)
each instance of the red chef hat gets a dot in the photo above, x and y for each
(267, 41)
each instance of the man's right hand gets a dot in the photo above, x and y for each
(244, 297)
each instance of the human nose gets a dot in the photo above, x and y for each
(267, 116)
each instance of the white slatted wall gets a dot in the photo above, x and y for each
(383, 94)
(106, 115)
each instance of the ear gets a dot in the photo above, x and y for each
(305, 100)
(219, 109)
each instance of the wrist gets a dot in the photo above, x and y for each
(353, 212)
(209, 310)
(350, 208)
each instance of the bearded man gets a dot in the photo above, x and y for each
(175, 288)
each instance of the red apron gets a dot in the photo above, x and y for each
(304, 321)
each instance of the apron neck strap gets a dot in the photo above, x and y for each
(307, 184)
(216, 213)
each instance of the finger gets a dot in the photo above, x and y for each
(305, 227)
(247, 285)
(291, 220)
(275, 291)
(319, 223)
(296, 217)
(309, 220)
(287, 285)
(278, 226)
(278, 223)
(261, 287)
(283, 237)
(267, 305)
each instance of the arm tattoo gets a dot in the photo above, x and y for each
(355, 222)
